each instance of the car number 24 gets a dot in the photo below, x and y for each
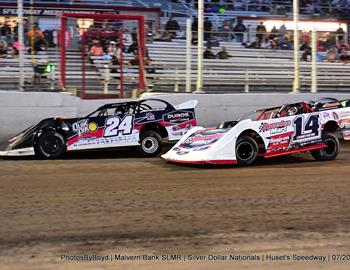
(114, 125)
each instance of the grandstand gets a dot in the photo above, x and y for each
(247, 70)
(242, 72)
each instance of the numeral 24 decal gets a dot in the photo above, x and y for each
(307, 130)
(114, 125)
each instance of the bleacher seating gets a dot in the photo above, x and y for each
(253, 69)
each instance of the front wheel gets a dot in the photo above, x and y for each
(247, 151)
(329, 152)
(51, 144)
(151, 144)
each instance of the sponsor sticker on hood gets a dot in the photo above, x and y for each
(203, 138)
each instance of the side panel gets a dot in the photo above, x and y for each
(102, 132)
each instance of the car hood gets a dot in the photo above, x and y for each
(26, 137)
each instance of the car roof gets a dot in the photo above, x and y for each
(132, 102)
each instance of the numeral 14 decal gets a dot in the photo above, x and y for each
(115, 125)
(308, 129)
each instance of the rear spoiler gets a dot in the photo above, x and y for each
(191, 104)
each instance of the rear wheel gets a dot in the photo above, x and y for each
(247, 151)
(51, 144)
(329, 152)
(151, 143)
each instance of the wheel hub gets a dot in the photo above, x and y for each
(245, 151)
(150, 145)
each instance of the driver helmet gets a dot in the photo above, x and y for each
(291, 111)
(120, 110)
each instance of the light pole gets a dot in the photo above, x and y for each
(199, 86)
(296, 84)
(314, 60)
(20, 43)
(188, 54)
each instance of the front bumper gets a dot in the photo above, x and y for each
(195, 159)
(214, 162)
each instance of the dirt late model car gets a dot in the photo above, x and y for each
(144, 123)
(304, 126)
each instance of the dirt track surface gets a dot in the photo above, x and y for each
(90, 204)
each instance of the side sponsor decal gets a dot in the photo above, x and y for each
(203, 138)
(276, 127)
(279, 142)
(83, 126)
(344, 123)
(178, 117)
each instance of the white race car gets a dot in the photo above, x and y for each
(304, 126)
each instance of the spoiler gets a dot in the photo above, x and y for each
(187, 105)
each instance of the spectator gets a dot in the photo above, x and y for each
(114, 64)
(239, 30)
(172, 26)
(253, 45)
(208, 54)
(162, 36)
(133, 47)
(12, 53)
(284, 44)
(273, 32)
(306, 56)
(194, 29)
(282, 30)
(3, 49)
(8, 39)
(223, 54)
(304, 46)
(341, 45)
(207, 28)
(5, 29)
(134, 35)
(340, 33)
(226, 28)
(267, 44)
(36, 39)
(112, 49)
(260, 32)
(96, 49)
(344, 57)
(135, 61)
(332, 55)
(194, 25)
(127, 38)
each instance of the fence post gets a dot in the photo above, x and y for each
(52, 79)
(246, 80)
(176, 86)
(106, 80)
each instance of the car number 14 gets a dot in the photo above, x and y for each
(307, 129)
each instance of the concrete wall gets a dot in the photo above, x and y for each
(19, 110)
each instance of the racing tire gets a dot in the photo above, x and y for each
(151, 144)
(50, 145)
(329, 152)
(247, 151)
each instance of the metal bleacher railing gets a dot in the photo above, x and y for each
(247, 70)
